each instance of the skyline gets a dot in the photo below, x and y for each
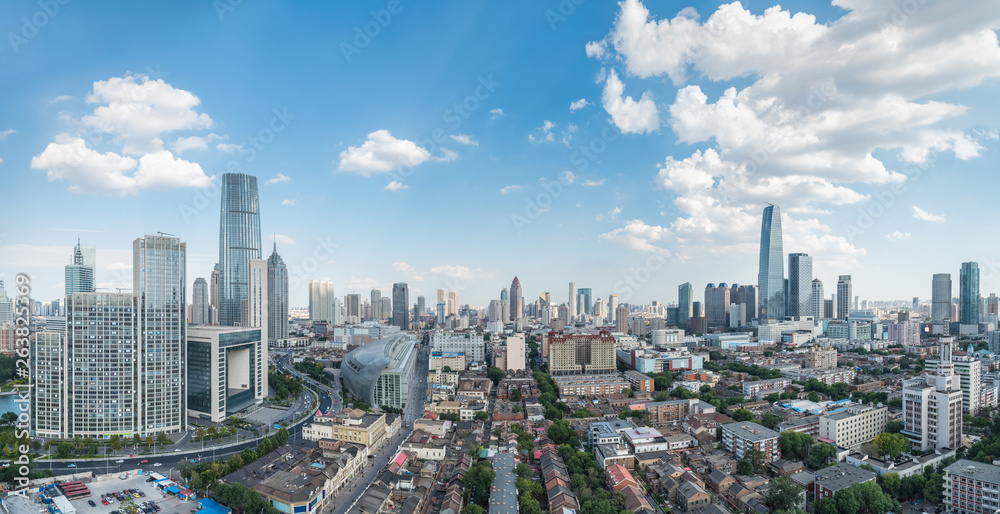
(337, 147)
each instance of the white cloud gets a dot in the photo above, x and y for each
(289, 202)
(923, 215)
(639, 236)
(543, 134)
(119, 266)
(593, 183)
(382, 153)
(183, 144)
(161, 170)
(510, 189)
(138, 111)
(629, 115)
(613, 214)
(465, 139)
(898, 236)
(578, 104)
(60, 98)
(280, 177)
(5, 133)
(496, 113)
(568, 177)
(408, 270)
(460, 273)
(395, 185)
(597, 49)
(283, 240)
(228, 147)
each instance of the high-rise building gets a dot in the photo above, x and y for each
(79, 277)
(239, 241)
(590, 354)
(227, 370)
(585, 301)
(968, 294)
(277, 297)
(441, 312)
(401, 305)
(376, 296)
(421, 308)
(621, 319)
(816, 299)
(515, 352)
(338, 312)
(828, 309)
(352, 306)
(516, 300)
(746, 295)
(800, 270)
(771, 275)
(320, 301)
(717, 305)
(685, 295)
(970, 487)
(843, 297)
(612, 308)
(6, 306)
(941, 297)
(571, 304)
(213, 291)
(255, 312)
(453, 303)
(932, 405)
(158, 270)
(199, 302)
(969, 371)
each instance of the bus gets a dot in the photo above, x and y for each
(74, 490)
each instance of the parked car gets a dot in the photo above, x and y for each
(91, 503)
(144, 461)
(104, 500)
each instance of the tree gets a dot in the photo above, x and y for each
(523, 471)
(784, 494)
(515, 395)
(814, 397)
(826, 506)
(526, 441)
(892, 445)
(127, 505)
(162, 439)
(116, 443)
(495, 374)
(482, 416)
(742, 415)
(890, 483)
(479, 479)
(773, 397)
(934, 488)
(847, 502)
(8, 419)
(582, 413)
(200, 433)
(820, 454)
(447, 369)
(64, 449)
(757, 459)
(472, 509)
(770, 420)
(561, 433)
(282, 436)
(744, 467)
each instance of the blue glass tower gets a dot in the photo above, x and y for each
(277, 297)
(968, 294)
(800, 271)
(239, 241)
(771, 275)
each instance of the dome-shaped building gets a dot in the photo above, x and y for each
(382, 371)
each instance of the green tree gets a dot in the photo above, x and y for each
(892, 445)
(890, 483)
(846, 501)
(770, 420)
(162, 439)
(561, 433)
(282, 436)
(773, 397)
(744, 467)
(478, 481)
(826, 506)
(200, 433)
(784, 494)
(515, 395)
(116, 443)
(894, 427)
(758, 460)
(934, 488)
(64, 450)
(523, 471)
(742, 415)
(814, 397)
(472, 509)
(482, 416)
(820, 454)
(582, 413)
(495, 374)
(526, 441)
(795, 445)
(127, 505)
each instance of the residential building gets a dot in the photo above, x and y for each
(839, 476)
(970, 374)
(239, 242)
(671, 411)
(858, 424)
(515, 353)
(717, 304)
(590, 385)
(752, 389)
(741, 437)
(819, 357)
(817, 299)
(503, 494)
(771, 274)
(843, 297)
(971, 487)
(583, 354)
(471, 346)
(321, 301)
(640, 382)
(827, 376)
(932, 405)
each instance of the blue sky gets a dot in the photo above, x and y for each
(117, 119)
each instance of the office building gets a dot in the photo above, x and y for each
(277, 297)
(321, 297)
(420, 310)
(239, 242)
(621, 319)
(932, 406)
(159, 266)
(515, 353)
(843, 297)
(376, 305)
(971, 487)
(771, 274)
(382, 371)
(800, 270)
(516, 300)
(227, 371)
(745, 295)
(685, 295)
(612, 308)
(472, 348)
(352, 308)
(441, 313)
(941, 298)
(213, 291)
(968, 294)
(573, 309)
(858, 424)
(79, 276)
(817, 299)
(717, 304)
(585, 302)
(584, 354)
(969, 371)
(199, 302)
(742, 437)
(364, 429)
(453, 303)
(401, 306)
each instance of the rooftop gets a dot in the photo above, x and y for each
(750, 431)
(977, 470)
(841, 476)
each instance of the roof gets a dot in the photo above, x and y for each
(503, 496)
(750, 431)
(842, 476)
(689, 489)
(977, 470)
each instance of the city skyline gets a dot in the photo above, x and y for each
(165, 168)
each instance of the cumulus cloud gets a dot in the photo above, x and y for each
(597, 49)
(382, 153)
(279, 178)
(460, 273)
(898, 236)
(465, 139)
(395, 185)
(283, 240)
(543, 134)
(639, 236)
(407, 270)
(228, 147)
(629, 115)
(496, 113)
(510, 189)
(161, 170)
(289, 202)
(923, 215)
(578, 104)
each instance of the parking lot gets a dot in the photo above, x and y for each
(168, 504)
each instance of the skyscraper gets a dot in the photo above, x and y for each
(352, 304)
(199, 302)
(941, 297)
(401, 306)
(685, 295)
(213, 291)
(421, 308)
(612, 308)
(817, 298)
(844, 297)
(255, 315)
(6, 306)
(771, 273)
(453, 303)
(932, 405)
(585, 301)
(277, 297)
(800, 270)
(571, 304)
(516, 300)
(239, 241)
(320, 301)
(79, 276)
(717, 304)
(158, 269)
(376, 304)
(968, 293)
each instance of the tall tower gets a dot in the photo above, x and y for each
(685, 295)
(158, 280)
(817, 298)
(572, 302)
(800, 270)
(239, 241)
(941, 297)
(612, 308)
(199, 302)
(277, 297)
(320, 301)
(421, 308)
(79, 275)
(516, 300)
(213, 293)
(401, 305)
(843, 297)
(968, 294)
(376, 304)
(771, 273)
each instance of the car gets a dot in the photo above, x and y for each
(91, 503)
(135, 494)
(144, 461)
(157, 464)
(104, 501)
(120, 461)
(142, 494)
(150, 479)
(71, 465)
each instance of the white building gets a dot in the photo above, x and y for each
(473, 346)
(932, 406)
(515, 352)
(858, 424)
(227, 370)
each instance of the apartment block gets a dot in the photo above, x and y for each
(858, 424)
(775, 384)
(640, 382)
(971, 487)
(589, 354)
(741, 437)
(590, 385)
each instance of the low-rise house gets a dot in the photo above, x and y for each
(719, 481)
(785, 468)
(619, 478)
(839, 476)
(636, 501)
(690, 496)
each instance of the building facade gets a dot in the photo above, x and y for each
(858, 424)
(239, 242)
(227, 371)
(742, 437)
(277, 297)
(932, 406)
(771, 274)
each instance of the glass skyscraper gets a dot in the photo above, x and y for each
(199, 302)
(401, 305)
(968, 294)
(585, 300)
(771, 275)
(277, 297)
(685, 293)
(239, 241)
(800, 270)
(80, 275)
